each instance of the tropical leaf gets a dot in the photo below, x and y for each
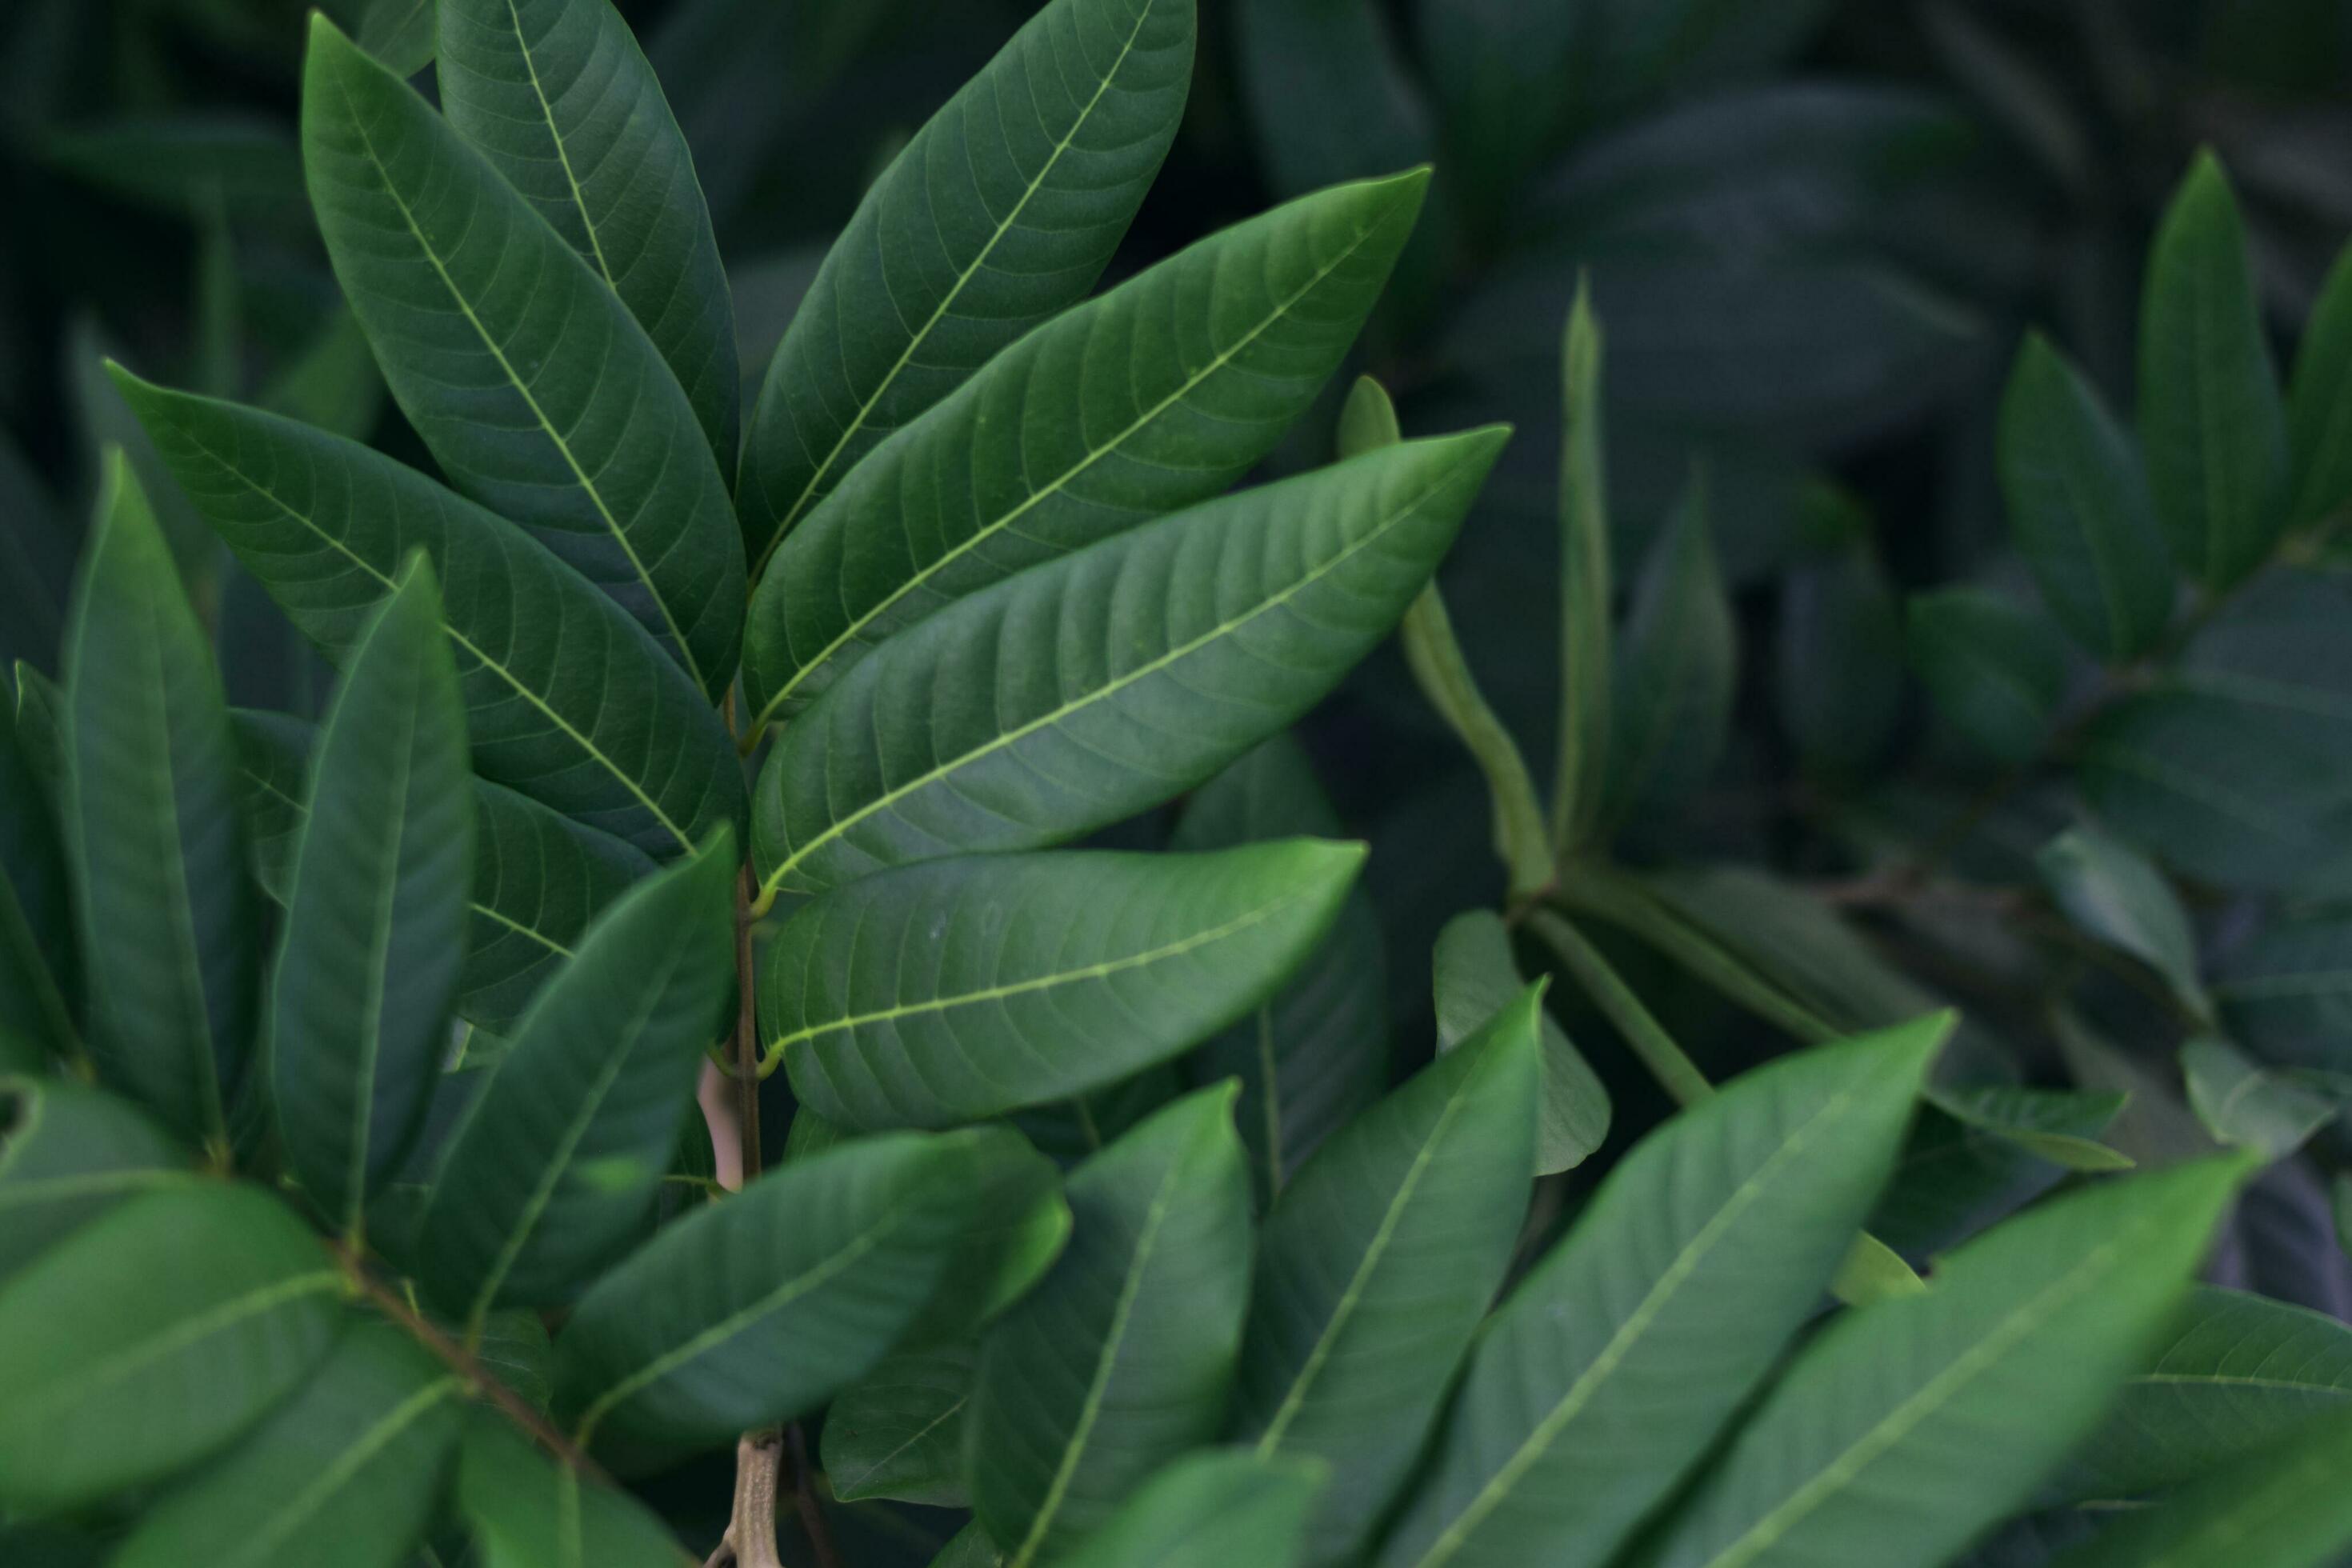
(109, 1381)
(566, 700)
(66, 1155)
(954, 990)
(525, 1510)
(347, 1471)
(1612, 1367)
(1210, 1510)
(761, 1307)
(2284, 1507)
(1378, 1262)
(1475, 977)
(1084, 690)
(1315, 1052)
(1001, 212)
(169, 930)
(1928, 1419)
(376, 913)
(558, 96)
(1154, 396)
(557, 1165)
(1123, 1357)
(898, 1433)
(538, 394)
(40, 982)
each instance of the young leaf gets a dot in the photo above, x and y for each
(557, 96)
(2008, 1359)
(1473, 978)
(955, 990)
(1001, 211)
(1612, 1367)
(566, 699)
(66, 1155)
(40, 974)
(1580, 777)
(2210, 427)
(2114, 894)
(1210, 1510)
(375, 918)
(2286, 1507)
(1158, 394)
(2243, 1104)
(537, 392)
(169, 931)
(2319, 402)
(1085, 690)
(898, 1433)
(109, 1381)
(348, 1471)
(557, 1164)
(759, 1308)
(2079, 507)
(1435, 656)
(1674, 686)
(528, 1511)
(1377, 1264)
(1315, 1052)
(1994, 671)
(1123, 1357)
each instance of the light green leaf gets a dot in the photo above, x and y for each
(898, 1433)
(376, 913)
(1926, 1420)
(1317, 1051)
(556, 1166)
(1376, 1265)
(759, 1308)
(2319, 402)
(2079, 507)
(2114, 894)
(1158, 394)
(348, 1471)
(2241, 1103)
(108, 1380)
(1085, 690)
(66, 1155)
(1995, 672)
(527, 1511)
(1612, 1367)
(1673, 684)
(40, 980)
(1210, 1510)
(557, 96)
(1001, 211)
(1475, 977)
(2284, 1507)
(566, 699)
(2210, 427)
(1123, 1357)
(1580, 776)
(169, 930)
(538, 394)
(958, 989)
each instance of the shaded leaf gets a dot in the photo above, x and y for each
(40, 979)
(2285, 1508)
(1329, 92)
(1674, 679)
(1839, 662)
(2241, 1103)
(66, 1155)
(2110, 890)
(2287, 994)
(1210, 1510)
(898, 1433)
(1475, 978)
(1996, 672)
(2319, 402)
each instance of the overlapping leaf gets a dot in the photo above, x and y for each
(898, 1433)
(39, 980)
(1474, 978)
(2284, 1507)
(1672, 698)
(1212, 1510)
(1995, 671)
(2319, 402)
(527, 1511)
(68, 1154)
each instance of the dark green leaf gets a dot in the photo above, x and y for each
(1089, 689)
(1210, 1510)
(2046, 1123)
(1674, 680)
(1587, 585)
(2286, 1507)
(40, 979)
(1840, 664)
(1330, 95)
(1001, 212)
(1022, 1225)
(2288, 993)
(537, 392)
(334, 383)
(2243, 1104)
(400, 33)
(1123, 1357)
(40, 731)
(2319, 402)
(2114, 894)
(110, 1379)
(168, 927)
(1991, 1153)
(1475, 977)
(527, 1511)
(515, 1348)
(66, 1155)
(899, 1432)
(1996, 672)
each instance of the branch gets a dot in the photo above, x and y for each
(812, 1511)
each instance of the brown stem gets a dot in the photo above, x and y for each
(812, 1511)
(511, 1405)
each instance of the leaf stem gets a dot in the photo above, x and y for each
(1648, 1039)
(1609, 895)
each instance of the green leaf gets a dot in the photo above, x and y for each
(1327, 91)
(1928, 1419)
(2040, 1121)
(169, 932)
(66, 1155)
(1996, 672)
(1123, 1357)
(40, 731)
(2286, 1507)
(2079, 507)
(558, 96)
(333, 384)
(2232, 1375)
(537, 393)
(1612, 1367)
(1977, 1161)
(1377, 1264)
(2287, 994)
(1315, 1052)
(759, 1308)
(1474, 978)
(1022, 1225)
(970, 1548)
(557, 1165)
(1001, 213)
(955, 990)
(898, 1433)
(2242, 1104)
(1672, 688)
(515, 1348)
(1432, 652)
(1087, 689)
(400, 33)
(525, 1510)
(566, 699)
(108, 1380)
(2211, 426)
(1154, 396)
(39, 972)
(2319, 402)
(376, 913)
(1210, 1510)
(1586, 584)
(1838, 663)
(2113, 893)
(348, 1471)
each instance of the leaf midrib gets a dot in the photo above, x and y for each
(259, 1541)
(562, 152)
